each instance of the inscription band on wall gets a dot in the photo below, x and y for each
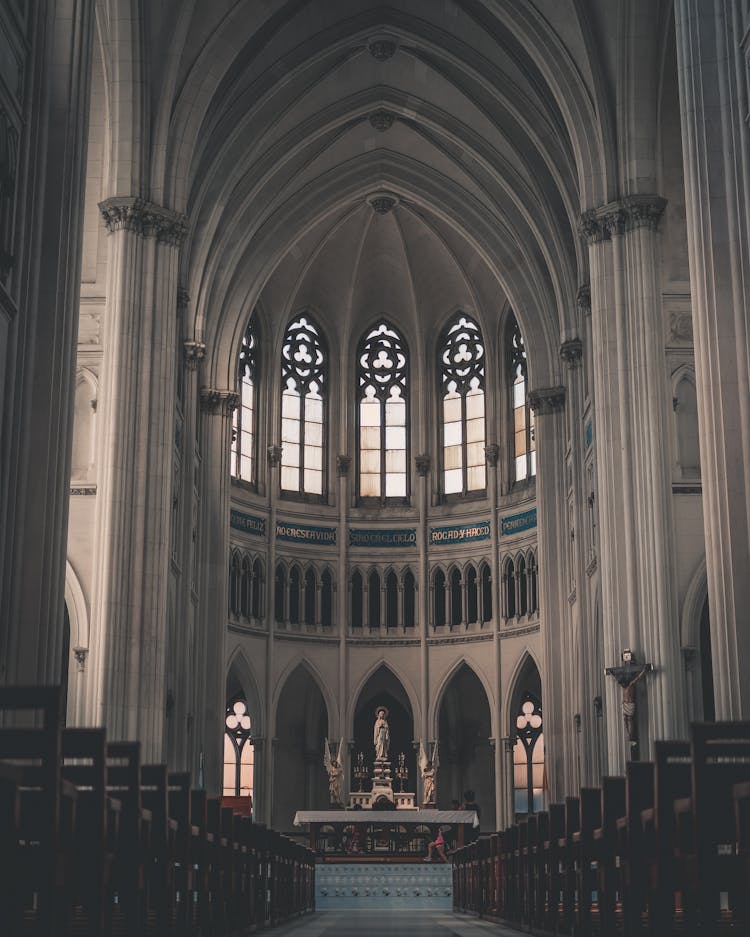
(515, 523)
(303, 533)
(247, 523)
(363, 537)
(460, 533)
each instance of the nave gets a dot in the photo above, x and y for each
(393, 923)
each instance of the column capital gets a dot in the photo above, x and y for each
(343, 464)
(547, 400)
(583, 299)
(422, 463)
(571, 351)
(218, 401)
(274, 455)
(492, 453)
(194, 352)
(135, 214)
(183, 298)
(80, 654)
(624, 214)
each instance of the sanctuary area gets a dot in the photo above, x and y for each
(374, 463)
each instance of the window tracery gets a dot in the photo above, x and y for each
(244, 435)
(238, 751)
(303, 397)
(528, 757)
(382, 414)
(524, 440)
(462, 383)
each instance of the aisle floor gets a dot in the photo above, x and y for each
(390, 924)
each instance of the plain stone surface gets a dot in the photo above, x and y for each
(393, 923)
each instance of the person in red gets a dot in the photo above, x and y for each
(437, 845)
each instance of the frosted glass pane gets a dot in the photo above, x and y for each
(521, 801)
(290, 479)
(519, 397)
(519, 776)
(395, 461)
(290, 404)
(533, 462)
(313, 434)
(395, 413)
(369, 437)
(519, 419)
(474, 404)
(451, 409)
(290, 454)
(520, 443)
(538, 797)
(395, 437)
(233, 461)
(369, 413)
(313, 457)
(452, 434)
(520, 468)
(313, 482)
(519, 753)
(452, 457)
(246, 780)
(246, 468)
(314, 409)
(453, 481)
(475, 453)
(369, 486)
(537, 775)
(289, 431)
(476, 479)
(395, 486)
(475, 430)
(370, 461)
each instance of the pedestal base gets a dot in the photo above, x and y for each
(365, 799)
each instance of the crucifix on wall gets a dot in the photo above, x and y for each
(628, 675)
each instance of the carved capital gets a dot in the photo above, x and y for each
(571, 351)
(382, 120)
(144, 218)
(492, 453)
(274, 455)
(219, 401)
(183, 298)
(626, 214)
(195, 352)
(80, 654)
(547, 400)
(583, 300)
(422, 463)
(382, 48)
(382, 202)
(644, 211)
(343, 464)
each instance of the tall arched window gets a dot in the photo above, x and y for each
(373, 600)
(409, 599)
(509, 580)
(245, 584)
(486, 593)
(295, 585)
(391, 600)
(326, 599)
(438, 598)
(303, 367)
(382, 409)
(257, 600)
(472, 596)
(238, 751)
(357, 603)
(280, 593)
(528, 757)
(311, 594)
(524, 443)
(234, 584)
(456, 597)
(244, 435)
(523, 596)
(462, 391)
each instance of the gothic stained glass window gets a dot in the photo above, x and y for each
(524, 444)
(303, 397)
(244, 434)
(462, 390)
(382, 412)
(238, 751)
(528, 757)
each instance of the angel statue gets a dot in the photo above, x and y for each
(333, 762)
(381, 735)
(428, 765)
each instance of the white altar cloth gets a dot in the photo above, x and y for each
(406, 817)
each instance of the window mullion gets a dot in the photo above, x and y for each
(464, 448)
(382, 450)
(303, 408)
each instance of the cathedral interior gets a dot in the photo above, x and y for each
(358, 354)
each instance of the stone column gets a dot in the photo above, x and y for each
(499, 729)
(713, 57)
(272, 492)
(343, 465)
(422, 463)
(133, 510)
(639, 608)
(217, 407)
(38, 336)
(559, 661)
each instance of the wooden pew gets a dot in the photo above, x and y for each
(584, 858)
(631, 884)
(552, 865)
(741, 798)
(613, 806)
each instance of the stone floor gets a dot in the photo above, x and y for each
(391, 924)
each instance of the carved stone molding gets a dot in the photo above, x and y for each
(583, 299)
(547, 400)
(680, 326)
(571, 351)
(382, 120)
(144, 218)
(195, 352)
(80, 654)
(382, 48)
(626, 214)
(343, 464)
(219, 401)
(492, 453)
(183, 297)
(422, 463)
(690, 658)
(274, 455)
(83, 490)
(382, 202)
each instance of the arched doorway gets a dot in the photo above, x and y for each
(465, 753)
(383, 688)
(299, 777)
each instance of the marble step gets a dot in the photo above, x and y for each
(384, 885)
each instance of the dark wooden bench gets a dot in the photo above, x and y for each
(613, 806)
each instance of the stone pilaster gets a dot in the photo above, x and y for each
(639, 608)
(217, 407)
(423, 465)
(549, 410)
(713, 51)
(133, 517)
